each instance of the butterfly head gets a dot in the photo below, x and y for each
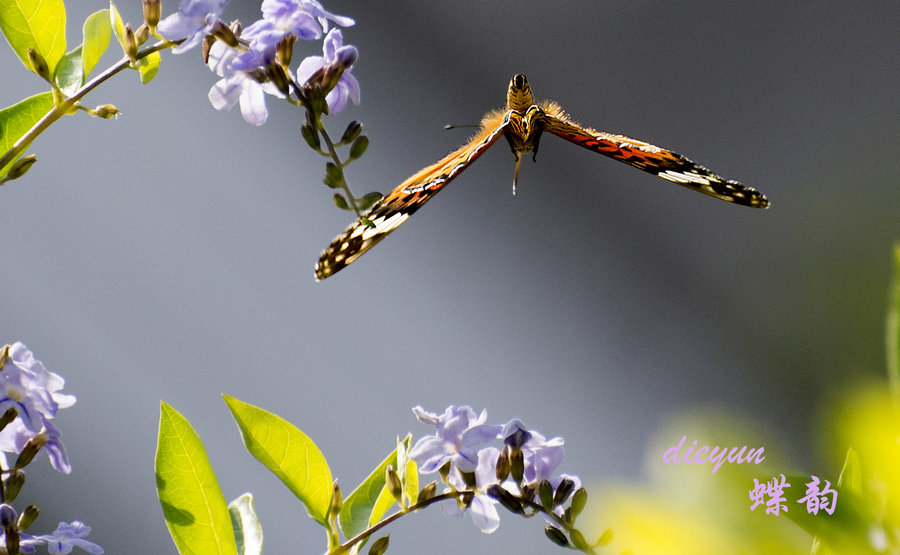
(519, 96)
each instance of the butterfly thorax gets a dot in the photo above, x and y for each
(518, 95)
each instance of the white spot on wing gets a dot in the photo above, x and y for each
(384, 226)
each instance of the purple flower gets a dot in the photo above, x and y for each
(304, 19)
(238, 86)
(459, 436)
(28, 387)
(195, 19)
(68, 536)
(15, 435)
(541, 456)
(347, 87)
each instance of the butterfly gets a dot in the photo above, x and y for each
(522, 123)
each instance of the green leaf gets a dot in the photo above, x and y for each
(192, 502)
(370, 500)
(288, 453)
(892, 329)
(115, 22)
(148, 66)
(37, 24)
(97, 33)
(247, 528)
(16, 120)
(69, 72)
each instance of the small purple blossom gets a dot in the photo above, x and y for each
(459, 436)
(28, 387)
(68, 536)
(237, 85)
(195, 19)
(347, 87)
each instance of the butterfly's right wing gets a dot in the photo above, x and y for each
(399, 204)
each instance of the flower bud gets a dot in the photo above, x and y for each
(341, 202)
(392, 480)
(276, 74)
(545, 490)
(38, 64)
(129, 43)
(224, 33)
(142, 34)
(368, 200)
(358, 147)
(337, 500)
(333, 176)
(506, 499)
(205, 46)
(285, 49)
(502, 470)
(563, 490)
(152, 10)
(13, 484)
(517, 464)
(311, 136)
(427, 492)
(579, 499)
(379, 546)
(31, 449)
(556, 536)
(107, 111)
(28, 517)
(578, 540)
(8, 417)
(468, 479)
(354, 128)
(20, 168)
(4, 355)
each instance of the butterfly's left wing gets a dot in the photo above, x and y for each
(653, 159)
(395, 208)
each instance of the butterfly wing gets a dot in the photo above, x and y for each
(653, 159)
(395, 208)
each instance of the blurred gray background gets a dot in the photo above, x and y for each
(168, 255)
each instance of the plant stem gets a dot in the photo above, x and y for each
(340, 165)
(63, 108)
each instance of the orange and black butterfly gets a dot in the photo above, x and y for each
(522, 123)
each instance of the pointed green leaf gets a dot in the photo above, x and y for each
(408, 470)
(69, 72)
(16, 120)
(37, 24)
(115, 21)
(247, 528)
(193, 505)
(148, 66)
(288, 453)
(97, 32)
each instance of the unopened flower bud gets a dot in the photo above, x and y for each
(337, 500)
(579, 499)
(517, 464)
(427, 492)
(225, 34)
(276, 74)
(8, 417)
(468, 479)
(379, 546)
(129, 43)
(20, 168)
(556, 536)
(506, 499)
(31, 449)
(107, 111)
(142, 34)
(207, 43)
(358, 147)
(563, 490)
(152, 10)
(346, 56)
(503, 465)
(285, 49)
(392, 480)
(545, 490)
(38, 64)
(354, 128)
(28, 517)
(341, 202)
(4, 355)
(13, 484)
(368, 200)
(578, 540)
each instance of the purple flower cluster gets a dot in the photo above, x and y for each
(243, 68)
(34, 393)
(470, 446)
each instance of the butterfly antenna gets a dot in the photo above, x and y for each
(450, 126)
